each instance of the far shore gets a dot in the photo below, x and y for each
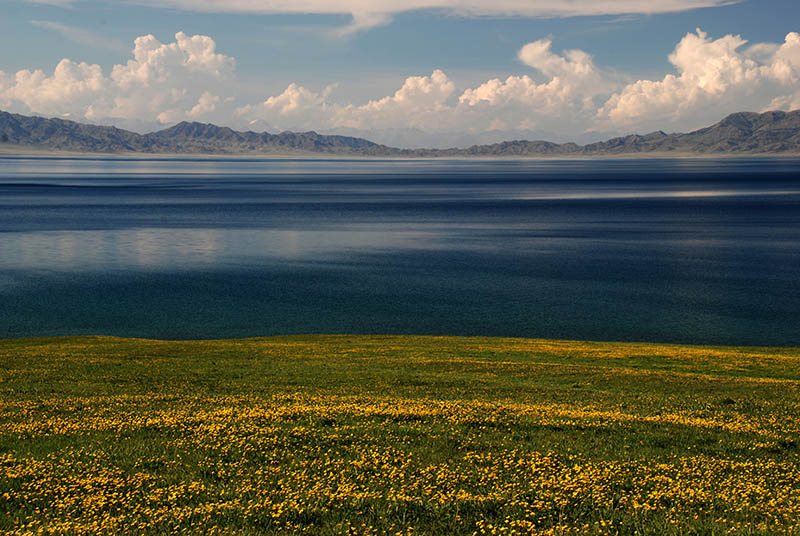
(17, 150)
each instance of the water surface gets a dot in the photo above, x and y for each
(673, 250)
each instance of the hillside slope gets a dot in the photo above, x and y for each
(739, 133)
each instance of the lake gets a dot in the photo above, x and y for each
(665, 250)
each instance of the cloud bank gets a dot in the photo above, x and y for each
(713, 77)
(162, 82)
(565, 92)
(370, 13)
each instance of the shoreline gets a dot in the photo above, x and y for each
(21, 151)
(345, 337)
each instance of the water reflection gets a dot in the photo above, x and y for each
(187, 249)
(662, 250)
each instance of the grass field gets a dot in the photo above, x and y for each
(396, 435)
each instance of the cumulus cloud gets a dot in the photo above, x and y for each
(570, 94)
(565, 93)
(296, 104)
(432, 102)
(206, 104)
(420, 102)
(714, 76)
(162, 82)
(785, 63)
(370, 13)
(573, 64)
(71, 89)
(415, 104)
(565, 98)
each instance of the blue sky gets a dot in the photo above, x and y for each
(271, 52)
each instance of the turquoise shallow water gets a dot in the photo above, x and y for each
(693, 251)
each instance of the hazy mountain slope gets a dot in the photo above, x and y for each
(65, 135)
(770, 132)
(740, 133)
(206, 138)
(188, 138)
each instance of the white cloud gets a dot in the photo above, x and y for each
(574, 63)
(420, 102)
(563, 100)
(519, 102)
(370, 13)
(293, 101)
(206, 104)
(157, 63)
(569, 94)
(297, 108)
(714, 77)
(162, 82)
(71, 88)
(785, 64)
(565, 94)
(784, 68)
(432, 102)
(169, 82)
(572, 80)
(416, 103)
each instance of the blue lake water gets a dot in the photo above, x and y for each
(672, 250)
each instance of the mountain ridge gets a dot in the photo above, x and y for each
(773, 132)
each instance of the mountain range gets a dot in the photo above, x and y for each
(739, 133)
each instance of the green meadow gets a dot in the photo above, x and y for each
(368, 435)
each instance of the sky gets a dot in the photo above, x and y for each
(404, 72)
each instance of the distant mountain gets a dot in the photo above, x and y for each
(183, 138)
(740, 133)
(415, 138)
(770, 132)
